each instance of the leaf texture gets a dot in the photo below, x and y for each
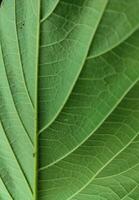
(69, 100)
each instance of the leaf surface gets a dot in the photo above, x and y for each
(69, 102)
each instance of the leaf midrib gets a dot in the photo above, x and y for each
(36, 147)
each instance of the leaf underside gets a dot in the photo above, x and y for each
(69, 100)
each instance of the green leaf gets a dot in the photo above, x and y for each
(69, 100)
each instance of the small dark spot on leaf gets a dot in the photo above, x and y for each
(21, 25)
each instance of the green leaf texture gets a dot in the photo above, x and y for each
(69, 100)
